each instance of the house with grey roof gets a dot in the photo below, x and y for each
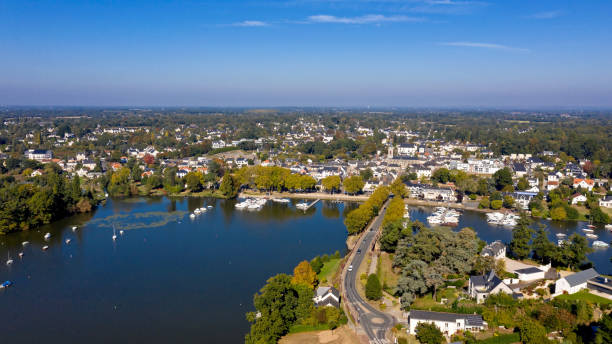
(448, 323)
(575, 282)
(327, 296)
(480, 287)
(496, 249)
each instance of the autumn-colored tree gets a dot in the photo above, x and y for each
(331, 183)
(149, 159)
(304, 274)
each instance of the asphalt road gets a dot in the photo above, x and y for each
(374, 322)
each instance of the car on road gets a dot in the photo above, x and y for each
(358, 251)
(350, 268)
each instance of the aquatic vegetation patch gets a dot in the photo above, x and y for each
(128, 221)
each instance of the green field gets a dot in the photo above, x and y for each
(501, 339)
(329, 269)
(585, 296)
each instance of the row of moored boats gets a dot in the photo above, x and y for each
(501, 219)
(444, 216)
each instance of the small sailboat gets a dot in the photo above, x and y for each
(47, 236)
(68, 241)
(20, 254)
(591, 236)
(587, 230)
(114, 234)
(121, 232)
(209, 207)
(45, 248)
(9, 260)
(25, 243)
(74, 228)
(6, 284)
(608, 227)
(192, 216)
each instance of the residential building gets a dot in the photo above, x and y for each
(480, 287)
(578, 198)
(532, 273)
(39, 154)
(575, 282)
(585, 184)
(496, 249)
(606, 202)
(327, 296)
(448, 323)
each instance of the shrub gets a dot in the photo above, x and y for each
(373, 288)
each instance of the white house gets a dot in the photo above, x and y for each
(495, 249)
(480, 287)
(575, 282)
(606, 202)
(39, 154)
(327, 296)
(578, 198)
(532, 273)
(587, 184)
(448, 323)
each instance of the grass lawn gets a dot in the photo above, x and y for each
(329, 269)
(501, 339)
(385, 270)
(308, 328)
(585, 296)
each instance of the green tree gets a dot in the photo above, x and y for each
(604, 332)
(598, 216)
(496, 204)
(373, 288)
(229, 187)
(353, 184)
(522, 184)
(441, 175)
(575, 252)
(484, 203)
(558, 213)
(508, 202)
(502, 177)
(521, 236)
(194, 181)
(428, 333)
(531, 332)
(366, 174)
(543, 249)
(331, 183)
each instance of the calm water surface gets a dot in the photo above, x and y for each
(169, 278)
(166, 279)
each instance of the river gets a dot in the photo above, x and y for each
(169, 278)
(166, 279)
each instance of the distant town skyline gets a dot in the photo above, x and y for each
(379, 53)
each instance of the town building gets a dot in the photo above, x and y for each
(496, 249)
(327, 297)
(480, 287)
(448, 323)
(39, 154)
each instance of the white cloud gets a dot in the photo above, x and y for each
(546, 15)
(251, 23)
(366, 19)
(483, 45)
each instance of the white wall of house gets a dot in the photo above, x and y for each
(448, 328)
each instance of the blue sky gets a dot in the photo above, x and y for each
(306, 53)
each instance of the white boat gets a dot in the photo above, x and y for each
(45, 247)
(197, 211)
(560, 242)
(561, 235)
(121, 232)
(599, 243)
(192, 216)
(74, 228)
(68, 241)
(20, 254)
(209, 207)
(587, 230)
(241, 205)
(281, 200)
(47, 236)
(608, 227)
(114, 234)
(25, 243)
(9, 260)
(302, 205)
(203, 210)
(591, 236)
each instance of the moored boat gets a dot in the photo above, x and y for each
(599, 243)
(591, 236)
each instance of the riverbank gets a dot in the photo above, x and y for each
(306, 195)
